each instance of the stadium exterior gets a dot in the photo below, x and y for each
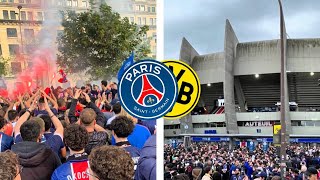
(247, 75)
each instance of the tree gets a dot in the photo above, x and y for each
(98, 42)
(4, 66)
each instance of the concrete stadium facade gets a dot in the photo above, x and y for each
(230, 71)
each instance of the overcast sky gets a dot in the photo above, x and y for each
(202, 22)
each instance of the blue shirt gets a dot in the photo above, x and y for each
(138, 137)
(75, 169)
(54, 142)
(40, 112)
(5, 141)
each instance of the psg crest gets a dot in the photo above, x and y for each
(148, 90)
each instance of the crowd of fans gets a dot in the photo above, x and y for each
(73, 134)
(214, 161)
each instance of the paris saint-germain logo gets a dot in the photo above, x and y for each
(148, 90)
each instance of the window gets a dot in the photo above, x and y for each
(84, 4)
(30, 16)
(137, 8)
(142, 8)
(5, 14)
(21, 1)
(144, 21)
(139, 20)
(40, 16)
(12, 32)
(23, 15)
(13, 15)
(29, 33)
(153, 9)
(16, 67)
(151, 22)
(155, 21)
(28, 1)
(11, 1)
(132, 19)
(3, 0)
(13, 49)
(149, 9)
(69, 3)
(75, 3)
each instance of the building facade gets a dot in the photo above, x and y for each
(246, 77)
(140, 12)
(20, 24)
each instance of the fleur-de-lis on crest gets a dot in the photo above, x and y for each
(150, 100)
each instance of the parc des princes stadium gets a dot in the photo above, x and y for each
(240, 92)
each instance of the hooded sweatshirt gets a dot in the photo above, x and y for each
(147, 163)
(38, 160)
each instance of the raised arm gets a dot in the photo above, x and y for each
(56, 122)
(25, 116)
(10, 108)
(30, 100)
(20, 99)
(101, 120)
(54, 103)
(72, 111)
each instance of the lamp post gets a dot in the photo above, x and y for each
(283, 130)
(20, 7)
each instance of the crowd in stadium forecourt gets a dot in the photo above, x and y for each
(74, 133)
(214, 161)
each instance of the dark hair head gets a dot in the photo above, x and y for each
(76, 137)
(22, 112)
(111, 162)
(104, 83)
(87, 116)
(207, 169)
(12, 115)
(30, 131)
(47, 121)
(8, 165)
(122, 126)
(41, 100)
(3, 122)
(216, 176)
(116, 108)
(107, 107)
(89, 85)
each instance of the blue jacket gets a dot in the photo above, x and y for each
(5, 141)
(74, 169)
(138, 137)
(249, 170)
(150, 124)
(146, 169)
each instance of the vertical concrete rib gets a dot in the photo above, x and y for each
(230, 44)
(187, 53)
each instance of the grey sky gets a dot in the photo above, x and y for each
(202, 22)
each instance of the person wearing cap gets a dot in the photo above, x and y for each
(311, 173)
